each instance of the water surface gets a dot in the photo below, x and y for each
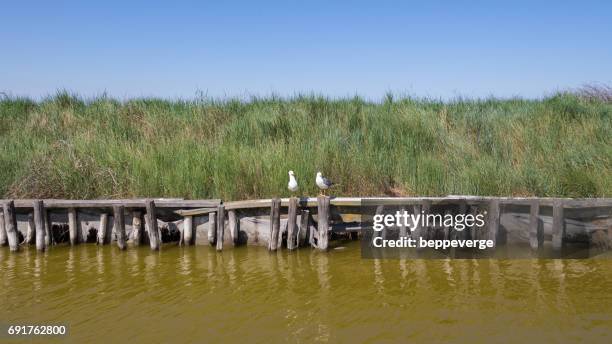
(247, 293)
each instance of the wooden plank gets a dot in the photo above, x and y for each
(137, 227)
(234, 226)
(188, 230)
(104, 233)
(292, 224)
(127, 203)
(220, 226)
(195, 212)
(10, 223)
(274, 224)
(212, 227)
(3, 238)
(323, 222)
(119, 224)
(303, 233)
(534, 212)
(151, 221)
(493, 218)
(558, 225)
(39, 223)
(73, 226)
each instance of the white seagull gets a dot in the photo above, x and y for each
(292, 185)
(323, 183)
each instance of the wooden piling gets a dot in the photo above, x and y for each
(31, 231)
(151, 218)
(416, 230)
(558, 225)
(302, 236)
(3, 239)
(534, 222)
(39, 223)
(10, 223)
(493, 220)
(212, 227)
(119, 224)
(402, 227)
(49, 240)
(292, 223)
(187, 230)
(234, 226)
(274, 224)
(103, 232)
(323, 222)
(137, 228)
(73, 226)
(220, 226)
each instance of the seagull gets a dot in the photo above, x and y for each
(323, 183)
(292, 185)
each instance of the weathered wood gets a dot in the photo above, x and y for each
(73, 226)
(10, 223)
(137, 227)
(151, 219)
(49, 240)
(188, 230)
(558, 225)
(304, 230)
(104, 234)
(119, 224)
(416, 232)
(127, 203)
(31, 230)
(323, 222)
(493, 218)
(402, 228)
(220, 226)
(212, 227)
(534, 220)
(426, 231)
(292, 223)
(3, 239)
(274, 224)
(39, 223)
(234, 226)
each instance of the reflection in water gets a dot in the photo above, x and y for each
(196, 293)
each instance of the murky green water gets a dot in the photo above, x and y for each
(249, 294)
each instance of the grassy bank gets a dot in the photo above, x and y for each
(67, 147)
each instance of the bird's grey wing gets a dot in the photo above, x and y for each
(327, 182)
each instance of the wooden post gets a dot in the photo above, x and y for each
(31, 231)
(137, 227)
(220, 226)
(292, 223)
(187, 230)
(303, 234)
(426, 231)
(402, 227)
(49, 240)
(416, 231)
(493, 220)
(103, 232)
(39, 222)
(558, 225)
(463, 208)
(119, 224)
(212, 227)
(534, 222)
(10, 223)
(323, 222)
(151, 219)
(3, 239)
(234, 226)
(274, 223)
(73, 226)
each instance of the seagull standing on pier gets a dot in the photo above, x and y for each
(323, 183)
(292, 185)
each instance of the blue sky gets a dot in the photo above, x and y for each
(238, 48)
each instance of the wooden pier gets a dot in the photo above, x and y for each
(291, 222)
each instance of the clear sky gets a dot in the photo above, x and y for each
(238, 48)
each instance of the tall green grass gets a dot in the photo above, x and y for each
(69, 147)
